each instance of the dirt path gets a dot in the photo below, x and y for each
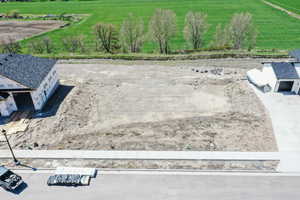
(282, 9)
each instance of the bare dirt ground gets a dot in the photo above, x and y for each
(177, 105)
(22, 29)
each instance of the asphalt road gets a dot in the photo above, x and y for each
(165, 187)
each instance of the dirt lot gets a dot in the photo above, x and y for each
(22, 29)
(124, 105)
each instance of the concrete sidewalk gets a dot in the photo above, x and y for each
(142, 155)
(289, 161)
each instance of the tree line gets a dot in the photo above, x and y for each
(239, 33)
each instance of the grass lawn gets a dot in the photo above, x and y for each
(291, 5)
(276, 29)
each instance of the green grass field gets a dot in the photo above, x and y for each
(276, 29)
(291, 5)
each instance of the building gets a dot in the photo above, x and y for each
(277, 77)
(295, 54)
(283, 76)
(26, 82)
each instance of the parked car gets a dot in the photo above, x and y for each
(9, 180)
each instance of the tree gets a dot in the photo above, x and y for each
(162, 27)
(12, 14)
(195, 27)
(221, 38)
(132, 34)
(10, 46)
(36, 46)
(74, 44)
(42, 45)
(47, 42)
(106, 37)
(242, 31)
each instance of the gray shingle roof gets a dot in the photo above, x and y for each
(27, 70)
(285, 70)
(295, 54)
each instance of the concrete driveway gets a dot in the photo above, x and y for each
(284, 110)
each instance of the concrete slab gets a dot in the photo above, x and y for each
(284, 110)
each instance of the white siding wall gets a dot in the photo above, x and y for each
(48, 85)
(297, 85)
(270, 75)
(8, 106)
(6, 83)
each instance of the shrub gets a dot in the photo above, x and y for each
(221, 37)
(13, 14)
(74, 44)
(41, 46)
(10, 46)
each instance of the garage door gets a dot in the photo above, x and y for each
(285, 86)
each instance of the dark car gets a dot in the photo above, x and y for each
(9, 180)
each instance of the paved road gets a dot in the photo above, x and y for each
(165, 187)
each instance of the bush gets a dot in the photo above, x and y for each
(41, 46)
(11, 46)
(13, 14)
(36, 47)
(74, 44)
(221, 38)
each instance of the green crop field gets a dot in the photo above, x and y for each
(276, 29)
(291, 5)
